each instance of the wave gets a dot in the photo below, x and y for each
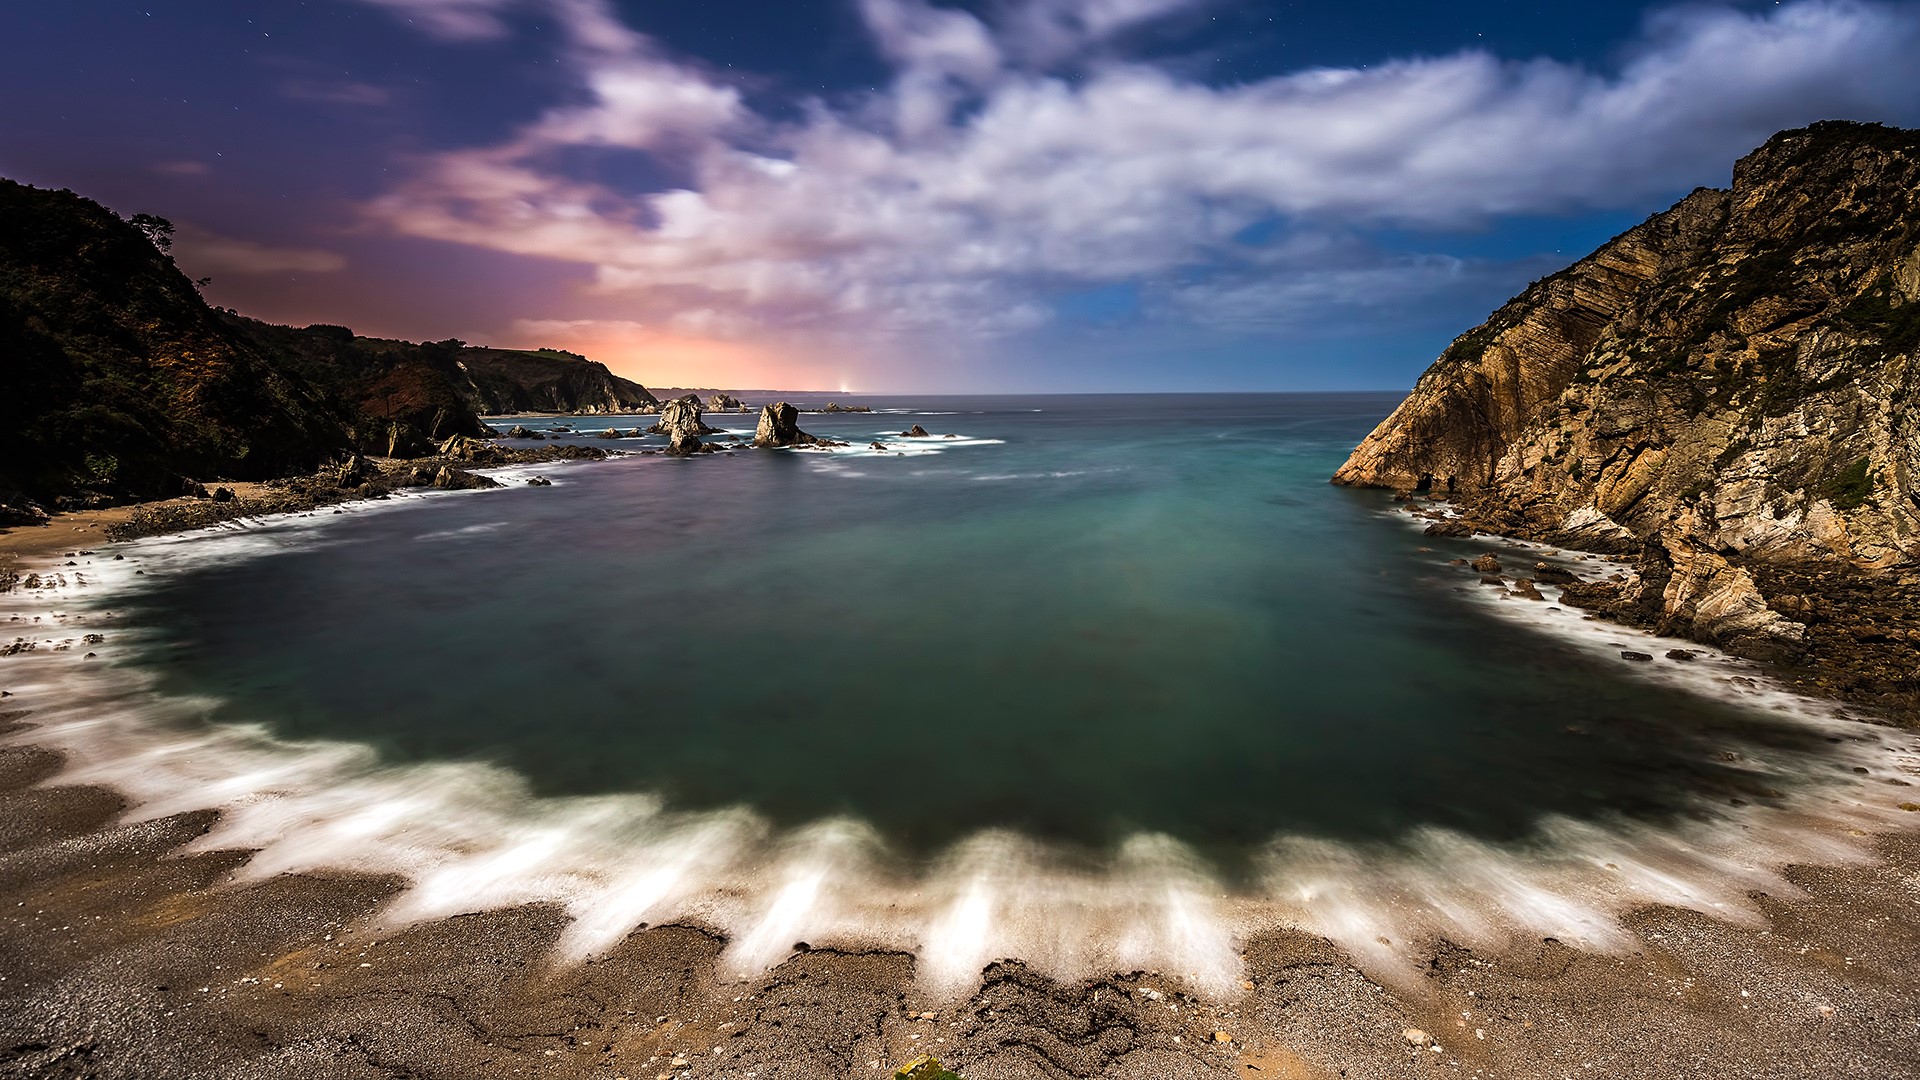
(471, 836)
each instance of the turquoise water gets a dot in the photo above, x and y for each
(1094, 615)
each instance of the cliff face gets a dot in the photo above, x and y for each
(547, 380)
(1739, 370)
(1731, 383)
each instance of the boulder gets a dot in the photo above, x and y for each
(222, 494)
(610, 433)
(452, 479)
(834, 406)
(1525, 590)
(468, 448)
(539, 481)
(1552, 575)
(1487, 564)
(684, 443)
(518, 431)
(351, 473)
(780, 426)
(722, 402)
(915, 432)
(1688, 590)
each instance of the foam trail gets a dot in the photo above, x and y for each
(472, 836)
(676, 867)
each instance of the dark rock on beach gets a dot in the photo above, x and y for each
(1549, 574)
(915, 432)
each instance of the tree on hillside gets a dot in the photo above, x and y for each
(158, 229)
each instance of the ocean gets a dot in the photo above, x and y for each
(1096, 665)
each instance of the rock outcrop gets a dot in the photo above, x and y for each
(1736, 377)
(680, 422)
(780, 426)
(681, 416)
(718, 402)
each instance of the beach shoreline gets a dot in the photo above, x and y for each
(114, 892)
(127, 956)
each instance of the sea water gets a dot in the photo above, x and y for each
(1060, 627)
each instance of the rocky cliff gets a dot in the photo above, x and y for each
(547, 380)
(1728, 385)
(115, 377)
(120, 382)
(441, 388)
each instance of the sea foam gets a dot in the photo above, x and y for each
(471, 836)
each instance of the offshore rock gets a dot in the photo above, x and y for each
(915, 432)
(1736, 379)
(723, 403)
(780, 426)
(681, 418)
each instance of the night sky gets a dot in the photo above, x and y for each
(896, 195)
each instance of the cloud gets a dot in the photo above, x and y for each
(336, 92)
(977, 183)
(183, 168)
(453, 20)
(204, 252)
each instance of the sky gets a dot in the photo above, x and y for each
(920, 195)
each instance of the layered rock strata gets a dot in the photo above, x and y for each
(1728, 385)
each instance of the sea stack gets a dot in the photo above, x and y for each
(780, 426)
(680, 422)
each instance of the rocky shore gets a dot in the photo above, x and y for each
(1725, 393)
(355, 479)
(1847, 634)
